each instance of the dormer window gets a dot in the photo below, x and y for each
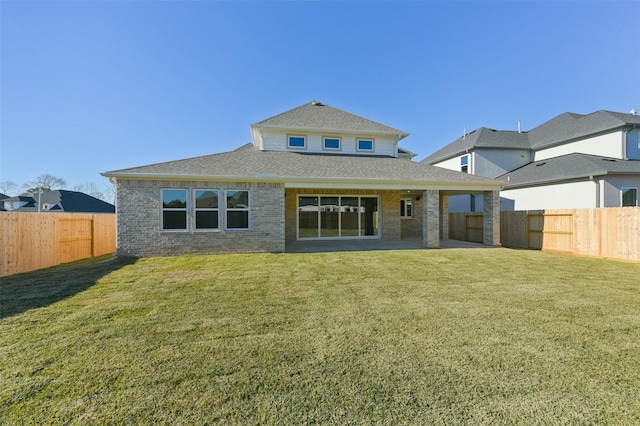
(331, 143)
(296, 142)
(365, 145)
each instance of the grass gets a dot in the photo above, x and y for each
(470, 336)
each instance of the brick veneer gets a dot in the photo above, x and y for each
(139, 230)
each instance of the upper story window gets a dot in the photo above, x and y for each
(296, 141)
(365, 144)
(629, 197)
(464, 164)
(331, 143)
(174, 209)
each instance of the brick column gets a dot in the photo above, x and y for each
(444, 217)
(491, 225)
(431, 218)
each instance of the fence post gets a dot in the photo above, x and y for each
(93, 234)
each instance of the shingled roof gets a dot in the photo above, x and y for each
(316, 116)
(566, 167)
(248, 163)
(480, 138)
(64, 201)
(569, 126)
(565, 127)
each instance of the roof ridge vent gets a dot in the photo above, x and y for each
(317, 103)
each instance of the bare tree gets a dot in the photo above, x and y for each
(7, 187)
(45, 183)
(110, 191)
(91, 189)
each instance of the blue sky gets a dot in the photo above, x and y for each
(89, 86)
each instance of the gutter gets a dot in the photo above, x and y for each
(315, 182)
(590, 177)
(325, 130)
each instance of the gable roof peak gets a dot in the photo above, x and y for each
(316, 116)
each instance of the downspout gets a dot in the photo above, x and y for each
(597, 182)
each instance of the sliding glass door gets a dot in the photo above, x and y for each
(338, 217)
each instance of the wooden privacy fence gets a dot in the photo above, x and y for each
(31, 241)
(606, 232)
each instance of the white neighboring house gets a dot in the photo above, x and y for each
(570, 161)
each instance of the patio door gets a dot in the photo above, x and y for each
(330, 217)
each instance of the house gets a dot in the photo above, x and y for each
(570, 161)
(312, 173)
(57, 201)
(2, 197)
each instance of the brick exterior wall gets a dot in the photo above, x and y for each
(139, 231)
(389, 200)
(491, 221)
(431, 218)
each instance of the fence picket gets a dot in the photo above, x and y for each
(30, 241)
(612, 232)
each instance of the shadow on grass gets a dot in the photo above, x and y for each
(30, 290)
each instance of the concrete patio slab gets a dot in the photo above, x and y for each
(317, 246)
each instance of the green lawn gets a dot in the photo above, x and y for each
(467, 336)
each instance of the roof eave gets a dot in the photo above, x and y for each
(554, 180)
(399, 133)
(293, 182)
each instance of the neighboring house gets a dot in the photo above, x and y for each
(57, 201)
(18, 202)
(312, 173)
(2, 197)
(571, 161)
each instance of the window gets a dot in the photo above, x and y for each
(365, 144)
(298, 142)
(207, 209)
(237, 209)
(338, 217)
(464, 164)
(331, 143)
(629, 197)
(174, 209)
(406, 208)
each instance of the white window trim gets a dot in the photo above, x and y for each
(228, 209)
(202, 209)
(468, 165)
(191, 210)
(405, 216)
(622, 189)
(304, 137)
(325, 148)
(373, 144)
(163, 209)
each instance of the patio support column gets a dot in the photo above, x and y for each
(444, 217)
(491, 225)
(431, 218)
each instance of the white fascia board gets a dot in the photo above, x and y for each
(398, 134)
(545, 182)
(323, 183)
